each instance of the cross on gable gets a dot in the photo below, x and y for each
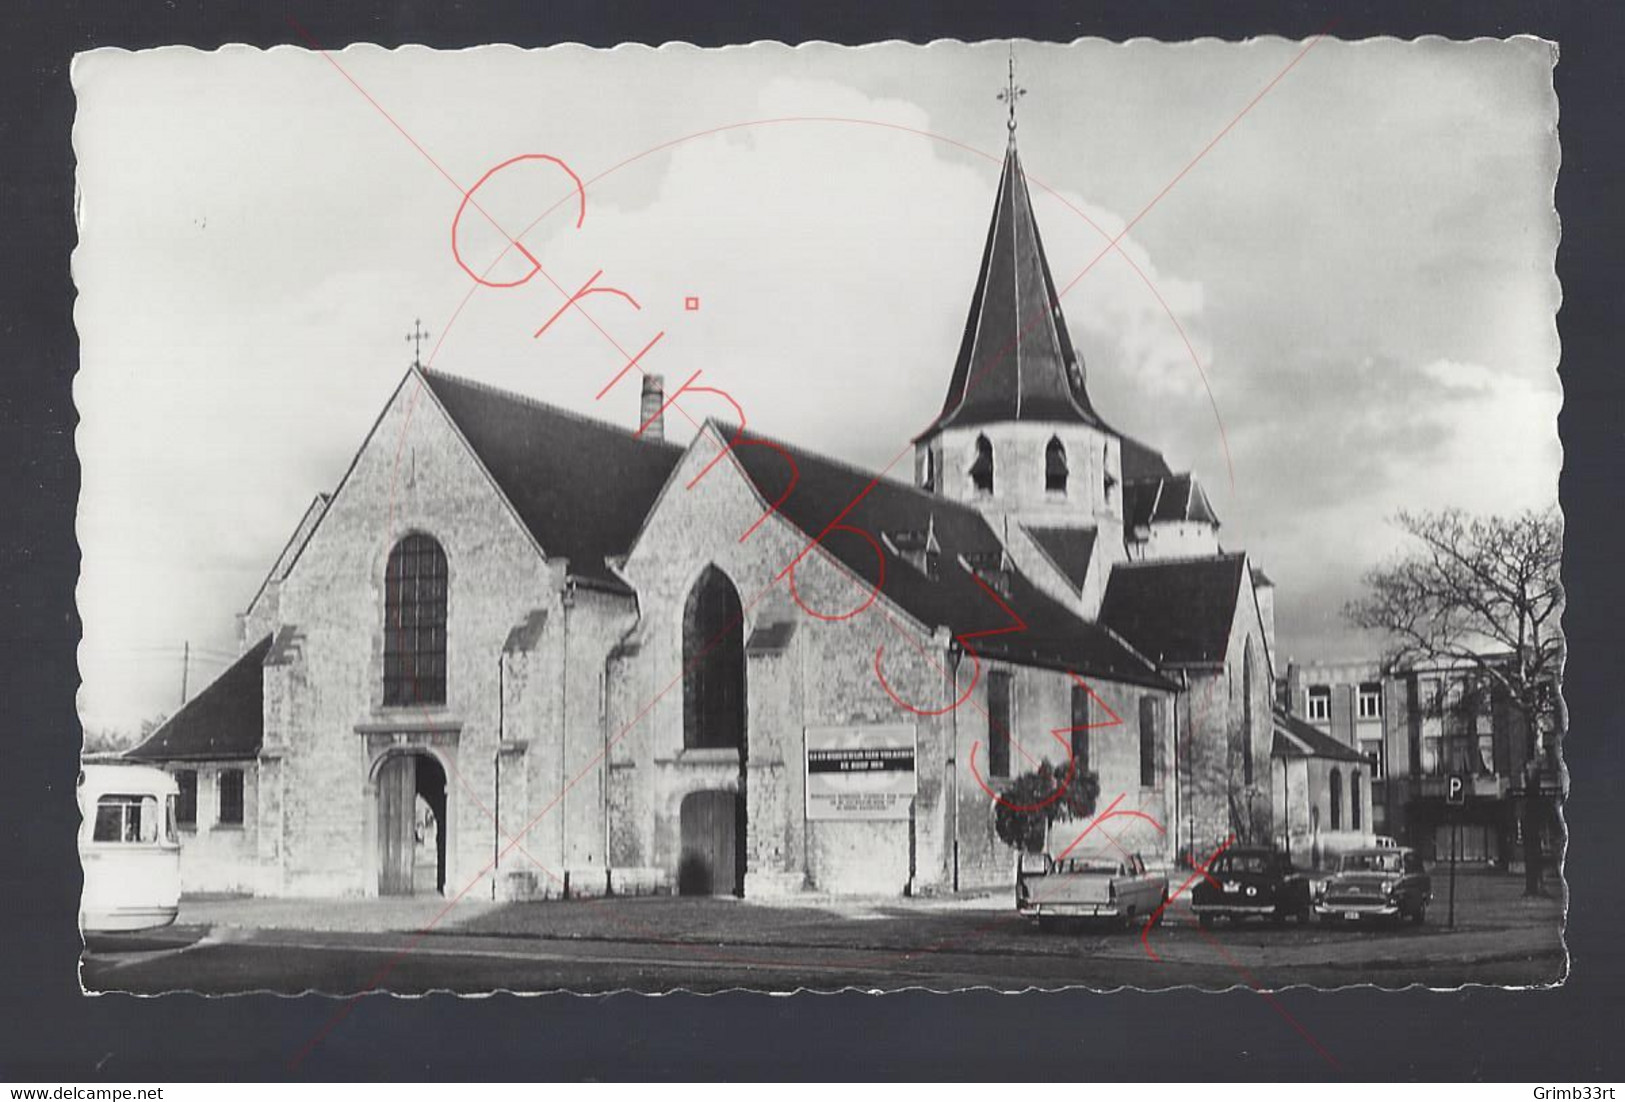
(417, 336)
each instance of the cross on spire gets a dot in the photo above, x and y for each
(1012, 92)
(417, 336)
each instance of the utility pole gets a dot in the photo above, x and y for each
(186, 664)
(1455, 844)
(1455, 800)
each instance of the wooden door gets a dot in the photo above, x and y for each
(397, 802)
(709, 863)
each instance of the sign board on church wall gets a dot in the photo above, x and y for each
(860, 771)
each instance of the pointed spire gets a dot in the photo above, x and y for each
(1016, 361)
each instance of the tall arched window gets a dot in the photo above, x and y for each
(1247, 658)
(1355, 811)
(981, 471)
(713, 665)
(1337, 798)
(415, 623)
(1055, 465)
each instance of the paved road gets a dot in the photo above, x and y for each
(937, 951)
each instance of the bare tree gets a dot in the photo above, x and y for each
(107, 740)
(1484, 593)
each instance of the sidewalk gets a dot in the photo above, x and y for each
(409, 914)
(1492, 922)
(351, 916)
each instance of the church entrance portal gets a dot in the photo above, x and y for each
(411, 825)
(712, 828)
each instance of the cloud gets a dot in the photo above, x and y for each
(1502, 441)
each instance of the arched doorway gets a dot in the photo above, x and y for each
(411, 825)
(711, 825)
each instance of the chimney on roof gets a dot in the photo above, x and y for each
(650, 414)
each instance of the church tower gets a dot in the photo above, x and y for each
(1017, 437)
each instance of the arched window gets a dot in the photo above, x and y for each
(1055, 465)
(713, 665)
(981, 471)
(1247, 658)
(1337, 798)
(415, 623)
(1355, 811)
(928, 477)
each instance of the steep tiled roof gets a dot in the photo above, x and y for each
(225, 721)
(581, 486)
(1142, 461)
(1169, 498)
(1296, 738)
(825, 490)
(1175, 611)
(1016, 361)
(1068, 548)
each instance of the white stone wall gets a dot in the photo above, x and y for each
(326, 725)
(1018, 477)
(1174, 539)
(1214, 736)
(217, 856)
(1041, 703)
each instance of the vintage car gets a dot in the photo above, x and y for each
(1387, 883)
(1115, 888)
(1251, 882)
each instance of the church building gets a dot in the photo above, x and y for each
(519, 653)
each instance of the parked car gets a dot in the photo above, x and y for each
(1386, 882)
(1252, 882)
(1115, 888)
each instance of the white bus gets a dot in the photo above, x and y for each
(128, 846)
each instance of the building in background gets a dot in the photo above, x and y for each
(1422, 724)
(1348, 701)
(1323, 793)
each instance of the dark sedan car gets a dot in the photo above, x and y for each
(1244, 883)
(1387, 883)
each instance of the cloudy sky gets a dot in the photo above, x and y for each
(1362, 265)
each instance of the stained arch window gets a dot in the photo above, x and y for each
(1337, 798)
(1055, 471)
(415, 623)
(713, 665)
(981, 470)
